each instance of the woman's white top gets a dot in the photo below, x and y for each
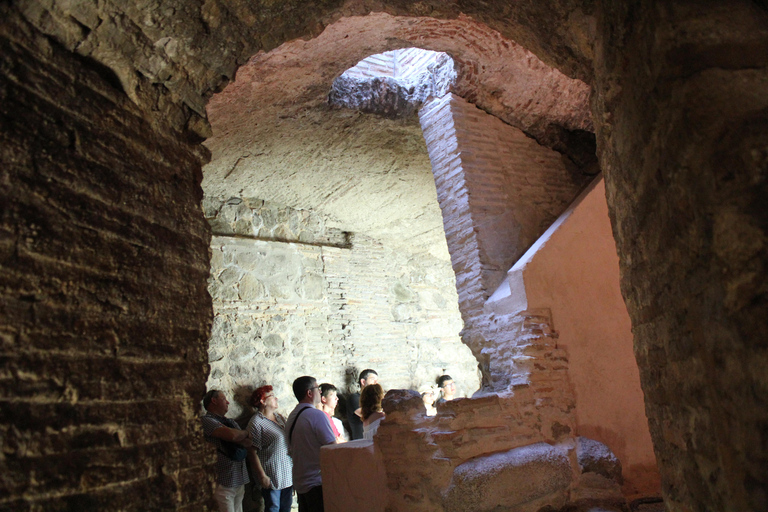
(340, 428)
(370, 429)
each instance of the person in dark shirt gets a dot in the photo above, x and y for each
(367, 377)
(231, 474)
(447, 389)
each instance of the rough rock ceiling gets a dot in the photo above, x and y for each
(274, 137)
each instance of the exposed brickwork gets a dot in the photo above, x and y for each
(103, 309)
(381, 64)
(499, 191)
(395, 64)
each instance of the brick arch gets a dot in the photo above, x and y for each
(495, 73)
(297, 77)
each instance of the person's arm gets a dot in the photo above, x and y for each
(323, 430)
(231, 434)
(353, 403)
(264, 480)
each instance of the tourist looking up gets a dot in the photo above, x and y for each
(272, 464)
(329, 399)
(370, 407)
(308, 430)
(230, 442)
(367, 377)
(428, 397)
(447, 388)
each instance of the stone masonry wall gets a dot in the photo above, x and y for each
(420, 453)
(324, 303)
(104, 313)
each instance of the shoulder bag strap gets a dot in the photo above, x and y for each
(290, 434)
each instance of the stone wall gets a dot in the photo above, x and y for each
(681, 108)
(324, 303)
(420, 453)
(104, 313)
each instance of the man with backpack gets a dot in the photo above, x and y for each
(231, 449)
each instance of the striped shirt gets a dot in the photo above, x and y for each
(268, 437)
(228, 472)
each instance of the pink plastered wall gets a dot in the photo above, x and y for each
(574, 271)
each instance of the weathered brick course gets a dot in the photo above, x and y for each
(103, 340)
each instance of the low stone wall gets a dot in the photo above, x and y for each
(293, 297)
(421, 453)
(517, 451)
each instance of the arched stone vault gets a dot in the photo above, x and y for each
(279, 93)
(679, 89)
(160, 64)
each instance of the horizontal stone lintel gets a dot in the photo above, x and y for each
(345, 244)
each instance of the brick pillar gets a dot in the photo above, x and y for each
(498, 189)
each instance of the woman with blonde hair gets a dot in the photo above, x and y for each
(370, 408)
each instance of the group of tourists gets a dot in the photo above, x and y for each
(284, 454)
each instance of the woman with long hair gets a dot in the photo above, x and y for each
(370, 408)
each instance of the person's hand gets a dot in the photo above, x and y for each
(266, 482)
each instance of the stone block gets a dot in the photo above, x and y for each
(353, 477)
(510, 480)
(402, 293)
(595, 457)
(273, 345)
(404, 401)
(251, 288)
(312, 287)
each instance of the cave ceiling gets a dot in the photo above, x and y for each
(276, 138)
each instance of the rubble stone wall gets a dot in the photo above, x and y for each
(324, 303)
(420, 453)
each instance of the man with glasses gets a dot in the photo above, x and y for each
(307, 430)
(447, 389)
